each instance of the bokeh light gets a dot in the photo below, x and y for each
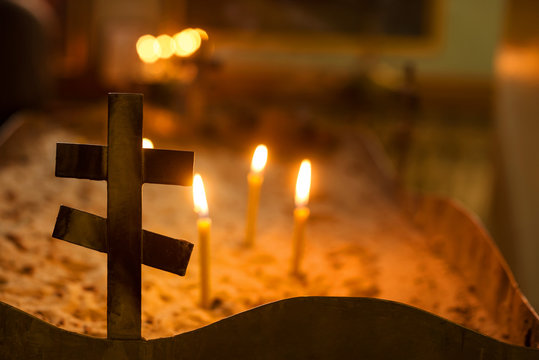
(203, 34)
(187, 42)
(148, 49)
(167, 46)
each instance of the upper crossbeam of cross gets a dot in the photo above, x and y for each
(125, 165)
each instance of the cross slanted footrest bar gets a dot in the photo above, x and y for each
(125, 166)
(89, 230)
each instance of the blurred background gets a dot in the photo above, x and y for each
(450, 87)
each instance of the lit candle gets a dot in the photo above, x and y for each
(301, 214)
(147, 143)
(254, 179)
(203, 224)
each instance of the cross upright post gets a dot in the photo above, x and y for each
(124, 219)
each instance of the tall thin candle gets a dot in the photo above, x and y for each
(204, 225)
(301, 214)
(254, 179)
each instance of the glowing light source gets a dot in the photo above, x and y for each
(187, 42)
(254, 180)
(199, 197)
(203, 34)
(167, 46)
(148, 49)
(147, 143)
(301, 214)
(203, 225)
(260, 157)
(303, 184)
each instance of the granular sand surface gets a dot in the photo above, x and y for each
(359, 243)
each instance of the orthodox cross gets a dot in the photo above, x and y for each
(125, 165)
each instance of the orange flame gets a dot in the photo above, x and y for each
(260, 157)
(303, 184)
(199, 197)
(147, 143)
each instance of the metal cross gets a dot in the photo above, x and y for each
(125, 166)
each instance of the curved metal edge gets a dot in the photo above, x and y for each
(305, 327)
(458, 236)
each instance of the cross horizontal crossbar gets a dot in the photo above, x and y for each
(171, 167)
(88, 230)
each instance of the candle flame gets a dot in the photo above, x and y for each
(148, 49)
(260, 157)
(187, 42)
(147, 143)
(167, 46)
(199, 196)
(303, 184)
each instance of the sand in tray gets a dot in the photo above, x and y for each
(359, 243)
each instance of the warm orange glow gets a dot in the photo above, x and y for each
(520, 63)
(167, 46)
(199, 196)
(303, 184)
(148, 49)
(147, 143)
(187, 42)
(203, 34)
(260, 157)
